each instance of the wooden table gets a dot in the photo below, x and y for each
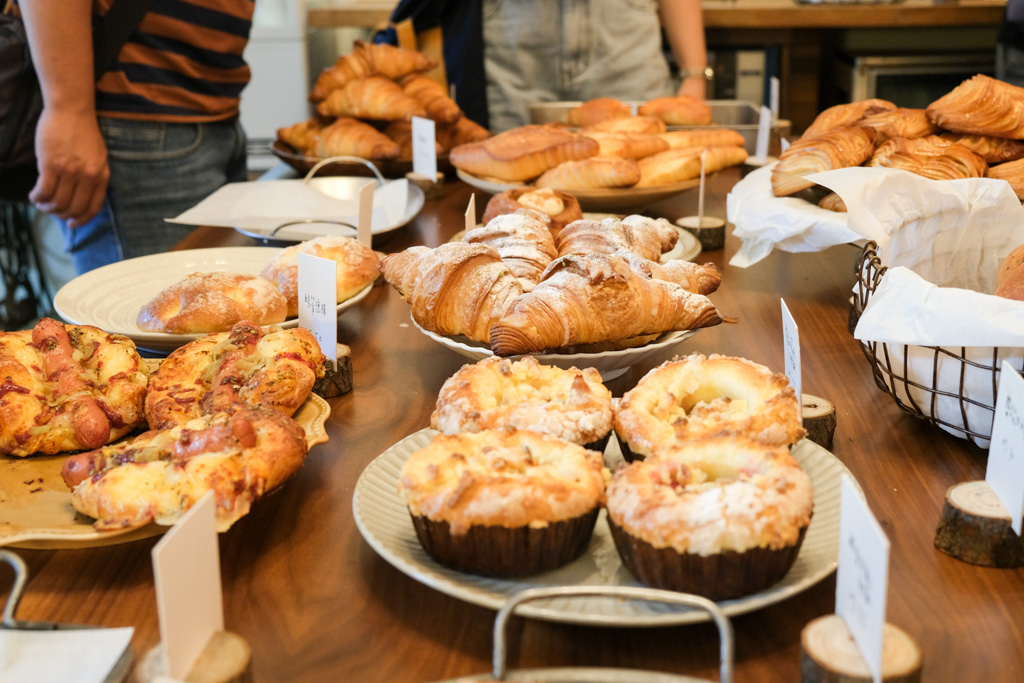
(318, 604)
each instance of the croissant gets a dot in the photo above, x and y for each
(371, 98)
(707, 137)
(677, 165)
(348, 137)
(369, 60)
(523, 241)
(992, 149)
(646, 237)
(931, 157)
(522, 153)
(650, 125)
(597, 110)
(843, 115)
(839, 148)
(400, 132)
(457, 288)
(699, 279)
(981, 105)
(459, 133)
(587, 299)
(591, 173)
(1012, 172)
(432, 96)
(628, 145)
(899, 123)
(301, 136)
(678, 111)
(832, 202)
(560, 208)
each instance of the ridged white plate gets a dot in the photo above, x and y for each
(383, 519)
(110, 297)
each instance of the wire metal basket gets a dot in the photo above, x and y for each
(954, 388)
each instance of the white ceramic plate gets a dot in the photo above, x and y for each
(110, 297)
(342, 188)
(605, 199)
(610, 364)
(383, 519)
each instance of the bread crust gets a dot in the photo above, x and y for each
(213, 302)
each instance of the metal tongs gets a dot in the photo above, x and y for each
(123, 666)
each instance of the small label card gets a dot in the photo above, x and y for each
(186, 573)
(773, 96)
(791, 350)
(364, 231)
(424, 148)
(318, 301)
(471, 213)
(1005, 470)
(764, 131)
(863, 575)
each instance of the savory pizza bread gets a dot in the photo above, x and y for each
(213, 302)
(239, 454)
(275, 368)
(67, 388)
(356, 267)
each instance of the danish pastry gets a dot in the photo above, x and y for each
(981, 105)
(931, 157)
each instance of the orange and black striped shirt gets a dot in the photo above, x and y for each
(183, 63)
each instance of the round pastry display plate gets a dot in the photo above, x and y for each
(388, 168)
(110, 297)
(605, 199)
(37, 511)
(610, 364)
(383, 520)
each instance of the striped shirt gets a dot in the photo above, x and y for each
(183, 63)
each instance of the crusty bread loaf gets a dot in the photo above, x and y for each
(213, 302)
(356, 267)
(1010, 278)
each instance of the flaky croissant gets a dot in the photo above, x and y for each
(349, 137)
(931, 157)
(646, 237)
(591, 173)
(843, 115)
(463, 131)
(992, 149)
(302, 135)
(457, 288)
(677, 165)
(693, 277)
(365, 60)
(523, 241)
(587, 299)
(401, 133)
(1012, 172)
(375, 97)
(899, 123)
(432, 96)
(839, 148)
(981, 105)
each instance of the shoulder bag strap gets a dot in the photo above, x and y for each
(111, 31)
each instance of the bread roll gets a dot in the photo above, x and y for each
(356, 267)
(598, 110)
(592, 173)
(678, 111)
(522, 153)
(213, 302)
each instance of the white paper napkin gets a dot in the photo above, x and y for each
(71, 656)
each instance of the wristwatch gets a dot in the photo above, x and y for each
(707, 73)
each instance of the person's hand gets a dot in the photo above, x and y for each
(693, 87)
(73, 170)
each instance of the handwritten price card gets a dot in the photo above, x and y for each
(424, 148)
(863, 575)
(318, 301)
(1005, 470)
(791, 350)
(471, 213)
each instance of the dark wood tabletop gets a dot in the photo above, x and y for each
(316, 603)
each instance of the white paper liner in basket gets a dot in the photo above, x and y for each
(932, 315)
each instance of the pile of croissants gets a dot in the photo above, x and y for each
(606, 146)
(976, 130)
(512, 285)
(365, 103)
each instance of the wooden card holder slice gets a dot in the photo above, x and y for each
(227, 658)
(974, 527)
(819, 420)
(337, 380)
(828, 654)
(432, 188)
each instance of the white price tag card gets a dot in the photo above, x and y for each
(471, 213)
(764, 131)
(773, 96)
(186, 574)
(364, 230)
(318, 301)
(424, 147)
(1005, 470)
(783, 144)
(863, 575)
(791, 350)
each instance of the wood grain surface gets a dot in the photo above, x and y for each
(316, 603)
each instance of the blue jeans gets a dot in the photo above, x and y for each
(157, 171)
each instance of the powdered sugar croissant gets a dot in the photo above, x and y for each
(457, 288)
(646, 237)
(587, 299)
(523, 241)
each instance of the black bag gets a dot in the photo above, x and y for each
(21, 100)
(20, 105)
